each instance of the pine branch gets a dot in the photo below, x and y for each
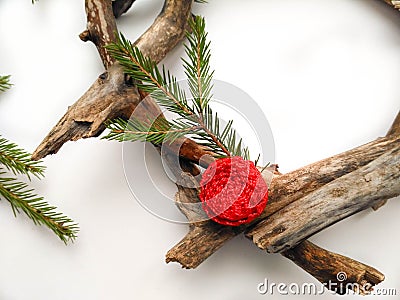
(162, 86)
(22, 198)
(18, 161)
(197, 69)
(196, 119)
(199, 75)
(5, 83)
(156, 132)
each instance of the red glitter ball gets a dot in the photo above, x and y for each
(233, 191)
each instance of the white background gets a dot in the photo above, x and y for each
(326, 75)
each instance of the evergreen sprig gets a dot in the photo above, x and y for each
(162, 86)
(197, 67)
(4, 83)
(22, 198)
(156, 132)
(18, 161)
(195, 117)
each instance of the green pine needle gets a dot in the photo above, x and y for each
(196, 118)
(22, 198)
(156, 132)
(197, 67)
(5, 83)
(18, 161)
(162, 86)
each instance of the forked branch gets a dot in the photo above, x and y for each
(111, 95)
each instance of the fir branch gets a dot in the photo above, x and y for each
(199, 75)
(226, 136)
(5, 83)
(197, 68)
(22, 198)
(157, 132)
(164, 88)
(18, 161)
(161, 85)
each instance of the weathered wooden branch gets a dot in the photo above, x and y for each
(206, 237)
(288, 188)
(343, 197)
(201, 242)
(111, 96)
(335, 271)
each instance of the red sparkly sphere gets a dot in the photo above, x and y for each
(233, 191)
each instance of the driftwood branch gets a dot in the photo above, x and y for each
(201, 242)
(206, 237)
(113, 95)
(290, 187)
(335, 271)
(343, 197)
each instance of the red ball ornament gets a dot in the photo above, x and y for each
(233, 191)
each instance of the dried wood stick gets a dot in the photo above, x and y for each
(284, 190)
(343, 197)
(337, 272)
(110, 75)
(320, 263)
(294, 185)
(111, 96)
(370, 152)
